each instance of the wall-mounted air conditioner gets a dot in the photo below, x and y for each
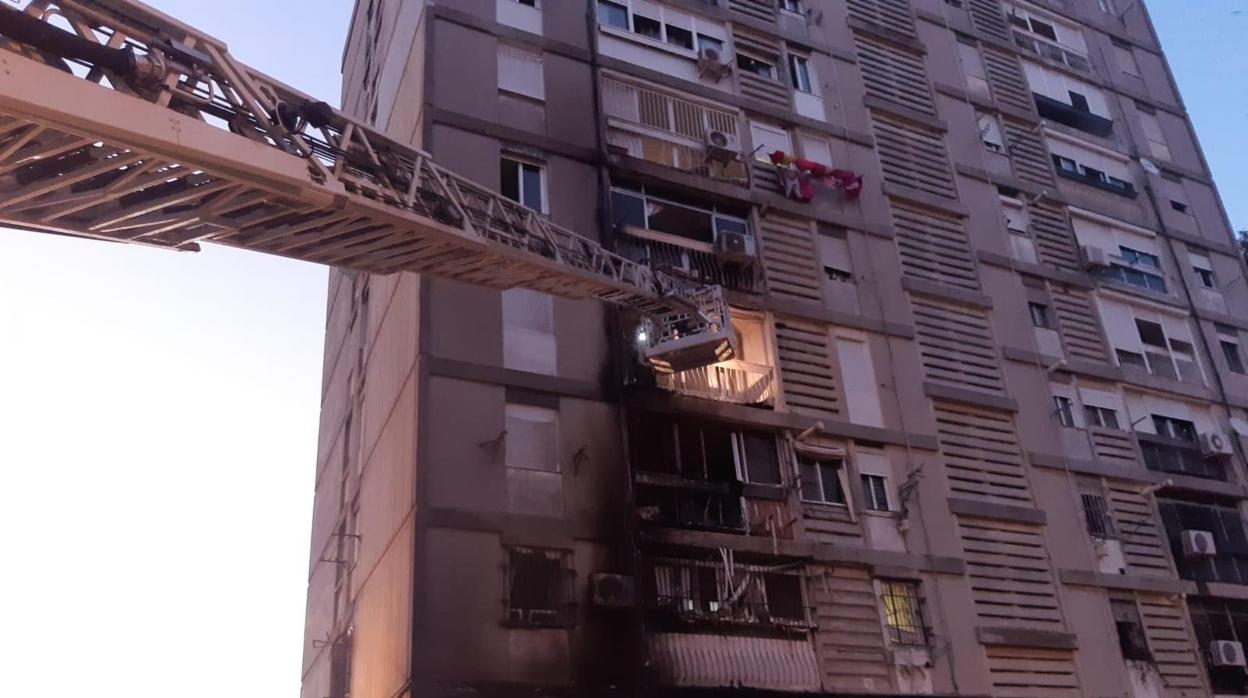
(1226, 653)
(1094, 257)
(722, 146)
(1198, 544)
(1215, 445)
(711, 64)
(735, 247)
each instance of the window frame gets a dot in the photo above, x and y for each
(561, 613)
(718, 218)
(1039, 313)
(1064, 410)
(663, 40)
(816, 465)
(1094, 415)
(910, 602)
(1231, 351)
(543, 186)
(874, 488)
(801, 66)
(773, 74)
(1098, 518)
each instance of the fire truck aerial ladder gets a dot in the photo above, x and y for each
(120, 123)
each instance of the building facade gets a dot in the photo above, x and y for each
(985, 431)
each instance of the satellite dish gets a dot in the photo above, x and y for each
(1240, 425)
(1149, 166)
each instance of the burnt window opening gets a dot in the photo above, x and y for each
(904, 612)
(703, 450)
(1131, 638)
(538, 581)
(686, 591)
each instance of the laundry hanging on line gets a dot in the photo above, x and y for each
(797, 177)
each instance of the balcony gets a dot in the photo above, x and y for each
(1176, 456)
(1065, 114)
(1229, 564)
(683, 503)
(687, 258)
(1051, 51)
(1096, 179)
(737, 382)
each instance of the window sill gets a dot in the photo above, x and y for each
(525, 625)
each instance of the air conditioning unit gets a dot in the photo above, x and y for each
(735, 247)
(542, 616)
(1094, 257)
(722, 146)
(1226, 653)
(1198, 544)
(613, 590)
(1215, 445)
(711, 64)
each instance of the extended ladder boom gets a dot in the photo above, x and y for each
(120, 123)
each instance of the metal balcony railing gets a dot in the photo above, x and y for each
(688, 259)
(733, 381)
(1044, 48)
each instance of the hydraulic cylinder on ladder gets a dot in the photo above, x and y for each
(120, 123)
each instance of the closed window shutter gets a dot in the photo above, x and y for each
(1012, 582)
(805, 359)
(894, 15)
(520, 71)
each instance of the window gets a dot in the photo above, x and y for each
(612, 14)
(821, 480)
(1150, 333)
(1064, 409)
(647, 27)
(1234, 360)
(705, 42)
(1137, 257)
(1107, 6)
(528, 3)
(1131, 638)
(1102, 417)
(537, 587)
(1039, 314)
(669, 214)
(766, 139)
(1079, 102)
(990, 133)
(1131, 358)
(1172, 428)
(800, 73)
(520, 72)
(524, 182)
(1205, 276)
(756, 66)
(529, 342)
(1178, 206)
(1069, 168)
(838, 275)
(678, 36)
(794, 6)
(1156, 139)
(1126, 58)
(875, 492)
(1139, 269)
(1096, 515)
(903, 612)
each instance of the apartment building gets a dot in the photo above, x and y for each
(984, 433)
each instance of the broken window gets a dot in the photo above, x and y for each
(723, 589)
(903, 612)
(1131, 638)
(537, 587)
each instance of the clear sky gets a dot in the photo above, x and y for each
(159, 410)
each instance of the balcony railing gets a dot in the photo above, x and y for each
(733, 381)
(688, 258)
(1179, 457)
(671, 150)
(1062, 113)
(672, 501)
(1117, 187)
(1044, 48)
